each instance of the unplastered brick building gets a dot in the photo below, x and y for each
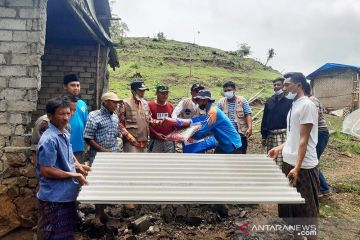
(40, 42)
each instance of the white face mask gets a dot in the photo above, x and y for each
(278, 92)
(291, 95)
(229, 94)
(138, 97)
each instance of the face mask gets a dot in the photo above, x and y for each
(278, 92)
(138, 97)
(229, 94)
(291, 95)
(202, 107)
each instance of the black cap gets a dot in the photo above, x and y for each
(70, 78)
(138, 85)
(197, 87)
(204, 94)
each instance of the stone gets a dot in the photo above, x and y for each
(222, 210)
(3, 117)
(20, 3)
(22, 181)
(25, 191)
(33, 183)
(27, 210)
(194, 217)
(152, 230)
(93, 229)
(16, 118)
(8, 217)
(11, 172)
(16, 159)
(3, 106)
(180, 214)
(19, 141)
(28, 171)
(5, 130)
(166, 213)
(3, 82)
(112, 226)
(25, 59)
(13, 192)
(141, 224)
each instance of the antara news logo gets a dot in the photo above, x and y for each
(247, 228)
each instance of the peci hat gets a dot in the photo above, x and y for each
(138, 85)
(70, 78)
(162, 88)
(204, 94)
(110, 96)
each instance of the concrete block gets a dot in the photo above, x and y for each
(3, 82)
(25, 36)
(5, 35)
(7, 12)
(3, 117)
(25, 59)
(14, 47)
(12, 94)
(3, 105)
(13, 71)
(21, 106)
(141, 224)
(16, 118)
(24, 83)
(2, 59)
(12, 24)
(29, 13)
(20, 3)
(77, 69)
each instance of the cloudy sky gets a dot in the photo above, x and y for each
(304, 33)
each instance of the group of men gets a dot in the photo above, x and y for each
(289, 130)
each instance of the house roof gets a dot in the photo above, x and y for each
(331, 67)
(88, 11)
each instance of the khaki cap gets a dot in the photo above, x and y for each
(110, 96)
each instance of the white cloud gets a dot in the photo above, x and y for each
(304, 33)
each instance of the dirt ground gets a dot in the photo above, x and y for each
(339, 213)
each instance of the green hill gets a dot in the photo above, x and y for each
(168, 61)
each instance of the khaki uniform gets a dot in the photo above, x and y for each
(137, 118)
(239, 113)
(188, 110)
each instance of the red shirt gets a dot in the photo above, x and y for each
(161, 112)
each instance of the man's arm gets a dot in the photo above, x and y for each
(208, 124)
(305, 130)
(51, 172)
(95, 145)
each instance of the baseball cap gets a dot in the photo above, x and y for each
(110, 96)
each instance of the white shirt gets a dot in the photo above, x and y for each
(303, 111)
(180, 107)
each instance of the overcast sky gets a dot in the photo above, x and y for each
(304, 33)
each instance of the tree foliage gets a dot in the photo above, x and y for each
(270, 55)
(244, 50)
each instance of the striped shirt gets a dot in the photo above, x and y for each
(322, 123)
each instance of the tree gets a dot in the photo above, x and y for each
(118, 30)
(270, 55)
(161, 36)
(244, 50)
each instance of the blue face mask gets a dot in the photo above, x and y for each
(291, 95)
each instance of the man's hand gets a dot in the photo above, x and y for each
(263, 142)
(293, 176)
(82, 180)
(83, 169)
(248, 132)
(135, 144)
(161, 137)
(274, 152)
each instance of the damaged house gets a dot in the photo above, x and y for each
(40, 42)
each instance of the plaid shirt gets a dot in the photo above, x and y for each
(103, 127)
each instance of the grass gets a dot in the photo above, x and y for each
(168, 62)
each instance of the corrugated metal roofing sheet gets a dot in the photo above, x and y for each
(149, 178)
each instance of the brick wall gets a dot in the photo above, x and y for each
(22, 39)
(60, 60)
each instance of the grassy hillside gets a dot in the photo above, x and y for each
(168, 62)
